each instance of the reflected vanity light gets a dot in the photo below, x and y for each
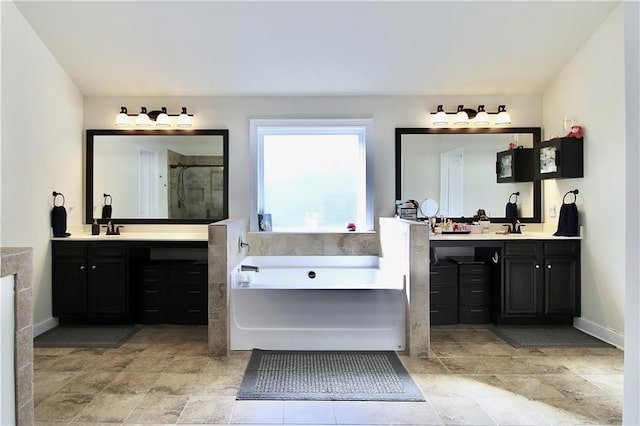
(159, 118)
(465, 116)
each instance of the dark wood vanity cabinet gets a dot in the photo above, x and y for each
(188, 293)
(111, 282)
(152, 304)
(541, 282)
(475, 293)
(514, 165)
(89, 281)
(443, 293)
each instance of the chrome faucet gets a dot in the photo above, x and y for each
(249, 268)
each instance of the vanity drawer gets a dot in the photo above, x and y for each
(443, 314)
(477, 280)
(188, 273)
(149, 296)
(475, 295)
(153, 272)
(108, 250)
(188, 294)
(188, 314)
(562, 248)
(474, 315)
(444, 274)
(474, 270)
(443, 296)
(153, 315)
(66, 249)
(522, 249)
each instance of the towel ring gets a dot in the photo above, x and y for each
(574, 192)
(516, 194)
(55, 197)
(105, 199)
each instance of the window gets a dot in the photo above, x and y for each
(311, 175)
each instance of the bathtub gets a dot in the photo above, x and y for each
(317, 303)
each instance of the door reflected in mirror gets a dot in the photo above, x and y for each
(157, 176)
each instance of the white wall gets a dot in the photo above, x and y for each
(41, 147)
(590, 89)
(631, 411)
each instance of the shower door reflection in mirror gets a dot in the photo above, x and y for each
(157, 177)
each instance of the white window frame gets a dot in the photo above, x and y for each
(260, 127)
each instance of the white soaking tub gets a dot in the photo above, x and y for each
(317, 303)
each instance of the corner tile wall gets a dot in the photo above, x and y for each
(19, 262)
(223, 256)
(313, 244)
(405, 244)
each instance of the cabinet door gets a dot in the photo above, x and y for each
(69, 285)
(107, 287)
(561, 278)
(522, 293)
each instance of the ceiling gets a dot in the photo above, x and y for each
(207, 48)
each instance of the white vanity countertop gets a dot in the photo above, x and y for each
(138, 236)
(496, 236)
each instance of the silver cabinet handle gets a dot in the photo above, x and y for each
(549, 266)
(81, 267)
(193, 311)
(151, 291)
(537, 266)
(477, 291)
(194, 291)
(434, 292)
(93, 266)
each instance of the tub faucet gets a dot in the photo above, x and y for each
(249, 268)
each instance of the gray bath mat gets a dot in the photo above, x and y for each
(85, 336)
(550, 336)
(327, 376)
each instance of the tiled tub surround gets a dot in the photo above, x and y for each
(19, 262)
(224, 255)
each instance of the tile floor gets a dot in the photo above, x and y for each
(163, 376)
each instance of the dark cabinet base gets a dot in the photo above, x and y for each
(105, 282)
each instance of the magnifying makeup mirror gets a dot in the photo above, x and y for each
(429, 207)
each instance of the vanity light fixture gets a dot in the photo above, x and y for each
(162, 120)
(159, 118)
(481, 118)
(143, 120)
(503, 116)
(440, 119)
(183, 118)
(123, 120)
(462, 116)
(465, 116)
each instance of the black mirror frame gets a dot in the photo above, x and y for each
(91, 133)
(536, 132)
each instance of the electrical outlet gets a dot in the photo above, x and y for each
(71, 209)
(552, 211)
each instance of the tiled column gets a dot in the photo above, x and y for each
(19, 262)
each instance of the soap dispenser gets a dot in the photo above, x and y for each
(95, 228)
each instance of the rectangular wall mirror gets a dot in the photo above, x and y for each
(457, 169)
(157, 176)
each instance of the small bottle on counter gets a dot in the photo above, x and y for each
(95, 228)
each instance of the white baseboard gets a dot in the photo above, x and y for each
(605, 334)
(45, 325)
